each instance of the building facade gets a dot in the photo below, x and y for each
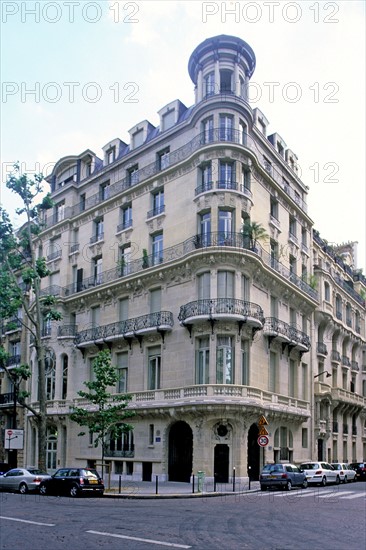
(210, 327)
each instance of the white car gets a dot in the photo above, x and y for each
(345, 473)
(320, 473)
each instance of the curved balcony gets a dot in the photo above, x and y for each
(161, 321)
(283, 332)
(335, 356)
(321, 349)
(275, 328)
(221, 309)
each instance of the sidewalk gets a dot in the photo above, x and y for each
(174, 489)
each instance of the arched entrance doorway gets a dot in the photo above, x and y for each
(253, 452)
(180, 452)
(221, 463)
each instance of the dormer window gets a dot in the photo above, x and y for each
(111, 155)
(169, 119)
(138, 139)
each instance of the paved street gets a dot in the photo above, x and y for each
(329, 518)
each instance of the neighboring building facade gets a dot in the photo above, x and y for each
(209, 329)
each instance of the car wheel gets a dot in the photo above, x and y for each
(323, 482)
(338, 480)
(345, 479)
(42, 490)
(23, 488)
(288, 486)
(74, 491)
(305, 484)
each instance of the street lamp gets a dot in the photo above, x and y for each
(328, 374)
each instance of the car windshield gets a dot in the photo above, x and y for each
(309, 466)
(36, 471)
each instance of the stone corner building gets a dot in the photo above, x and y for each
(210, 329)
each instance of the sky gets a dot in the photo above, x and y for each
(77, 74)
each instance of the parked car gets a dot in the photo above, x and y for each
(22, 480)
(345, 472)
(283, 476)
(320, 473)
(360, 469)
(73, 482)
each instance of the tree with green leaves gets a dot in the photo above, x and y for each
(253, 232)
(104, 413)
(21, 274)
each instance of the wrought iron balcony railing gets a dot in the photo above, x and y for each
(13, 360)
(13, 325)
(156, 211)
(217, 135)
(276, 328)
(321, 348)
(67, 331)
(124, 225)
(227, 307)
(335, 356)
(347, 288)
(160, 321)
(7, 398)
(54, 255)
(213, 239)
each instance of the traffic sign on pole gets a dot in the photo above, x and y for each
(263, 440)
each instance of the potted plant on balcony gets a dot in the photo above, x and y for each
(145, 259)
(253, 232)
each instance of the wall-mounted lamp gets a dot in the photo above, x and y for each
(324, 372)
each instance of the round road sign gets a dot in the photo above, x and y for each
(9, 432)
(263, 440)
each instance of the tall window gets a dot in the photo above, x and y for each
(60, 211)
(245, 287)
(95, 316)
(50, 371)
(226, 81)
(155, 300)
(206, 177)
(122, 371)
(245, 362)
(157, 248)
(154, 368)
(133, 175)
(65, 369)
(292, 227)
(105, 191)
(273, 372)
(274, 208)
(163, 159)
(326, 291)
(123, 309)
(227, 172)
(225, 284)
(202, 360)
(111, 155)
(245, 179)
(292, 265)
(209, 84)
(292, 379)
(226, 127)
(126, 217)
(208, 130)
(51, 458)
(98, 270)
(205, 229)
(225, 360)
(125, 259)
(225, 226)
(243, 131)
(204, 282)
(98, 231)
(158, 202)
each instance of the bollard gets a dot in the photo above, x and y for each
(214, 483)
(192, 483)
(234, 479)
(120, 484)
(200, 481)
(156, 485)
(249, 468)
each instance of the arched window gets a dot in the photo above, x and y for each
(326, 291)
(50, 371)
(65, 368)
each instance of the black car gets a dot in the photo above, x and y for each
(360, 468)
(73, 482)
